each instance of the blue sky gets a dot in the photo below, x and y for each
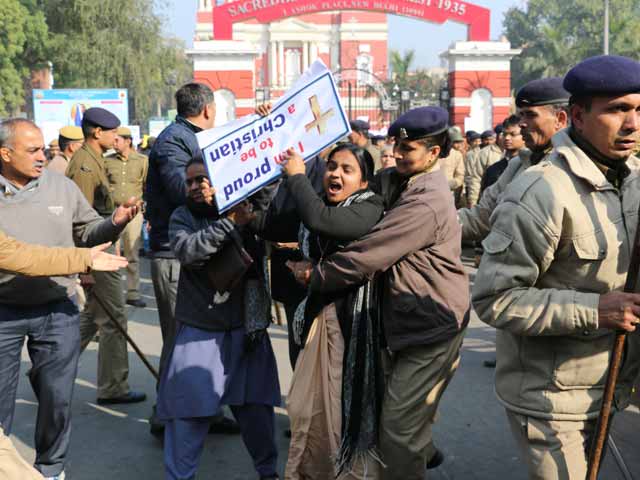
(428, 40)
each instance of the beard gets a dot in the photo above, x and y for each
(201, 209)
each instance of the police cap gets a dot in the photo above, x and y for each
(71, 133)
(124, 132)
(472, 136)
(420, 123)
(359, 125)
(603, 75)
(99, 117)
(488, 134)
(545, 91)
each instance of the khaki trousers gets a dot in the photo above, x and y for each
(416, 379)
(12, 465)
(131, 238)
(113, 360)
(552, 449)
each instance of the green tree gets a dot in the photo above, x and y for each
(23, 43)
(421, 84)
(115, 44)
(555, 35)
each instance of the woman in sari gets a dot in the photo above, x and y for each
(335, 395)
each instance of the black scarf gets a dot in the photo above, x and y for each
(362, 376)
(615, 171)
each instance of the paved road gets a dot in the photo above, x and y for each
(115, 442)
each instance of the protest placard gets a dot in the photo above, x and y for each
(245, 155)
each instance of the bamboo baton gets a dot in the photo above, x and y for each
(128, 337)
(599, 441)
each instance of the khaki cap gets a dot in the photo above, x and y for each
(72, 133)
(124, 132)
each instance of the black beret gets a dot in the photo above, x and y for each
(471, 132)
(498, 129)
(472, 136)
(99, 117)
(603, 75)
(420, 123)
(359, 125)
(545, 91)
(488, 134)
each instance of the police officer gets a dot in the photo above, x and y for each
(106, 302)
(489, 154)
(542, 106)
(360, 136)
(554, 266)
(127, 174)
(70, 140)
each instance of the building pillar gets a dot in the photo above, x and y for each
(281, 64)
(273, 63)
(479, 67)
(305, 55)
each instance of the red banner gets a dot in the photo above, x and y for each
(478, 19)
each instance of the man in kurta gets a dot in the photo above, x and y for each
(127, 174)
(554, 267)
(106, 301)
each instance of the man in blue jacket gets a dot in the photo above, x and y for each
(164, 192)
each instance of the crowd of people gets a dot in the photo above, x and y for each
(362, 245)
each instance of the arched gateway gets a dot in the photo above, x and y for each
(255, 49)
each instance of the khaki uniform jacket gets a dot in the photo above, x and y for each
(475, 220)
(470, 160)
(485, 158)
(376, 154)
(87, 170)
(127, 176)
(560, 237)
(453, 169)
(59, 164)
(416, 248)
(36, 260)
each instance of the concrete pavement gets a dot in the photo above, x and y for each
(114, 442)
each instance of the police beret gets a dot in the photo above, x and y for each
(99, 117)
(498, 129)
(359, 125)
(545, 91)
(472, 135)
(471, 132)
(420, 123)
(124, 132)
(488, 134)
(53, 143)
(603, 75)
(71, 133)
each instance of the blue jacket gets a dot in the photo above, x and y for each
(165, 189)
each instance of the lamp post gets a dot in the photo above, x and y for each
(405, 97)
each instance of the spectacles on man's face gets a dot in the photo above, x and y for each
(197, 180)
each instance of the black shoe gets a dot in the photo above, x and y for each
(138, 303)
(130, 397)
(436, 460)
(224, 426)
(490, 363)
(156, 428)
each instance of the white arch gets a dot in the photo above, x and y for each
(481, 115)
(225, 106)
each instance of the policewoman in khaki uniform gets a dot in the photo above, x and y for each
(554, 267)
(106, 300)
(127, 174)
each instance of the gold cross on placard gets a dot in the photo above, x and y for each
(320, 119)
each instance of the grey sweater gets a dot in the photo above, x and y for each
(49, 211)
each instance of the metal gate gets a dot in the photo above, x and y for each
(364, 97)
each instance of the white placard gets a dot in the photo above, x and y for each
(244, 155)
